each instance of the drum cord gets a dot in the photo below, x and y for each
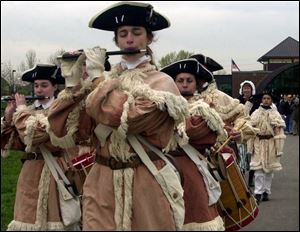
(237, 200)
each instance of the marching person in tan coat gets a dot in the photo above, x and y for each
(220, 112)
(68, 121)
(136, 108)
(203, 128)
(267, 147)
(24, 128)
(231, 111)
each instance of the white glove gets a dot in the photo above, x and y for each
(72, 71)
(279, 144)
(95, 61)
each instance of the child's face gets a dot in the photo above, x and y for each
(266, 100)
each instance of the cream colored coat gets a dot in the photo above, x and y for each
(230, 110)
(266, 153)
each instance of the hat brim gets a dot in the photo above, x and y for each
(182, 66)
(131, 14)
(44, 72)
(208, 62)
(188, 66)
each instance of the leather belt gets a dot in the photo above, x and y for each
(37, 156)
(133, 162)
(265, 136)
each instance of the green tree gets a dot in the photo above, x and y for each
(173, 57)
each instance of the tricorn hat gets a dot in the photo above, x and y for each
(208, 62)
(188, 66)
(129, 13)
(49, 72)
(272, 93)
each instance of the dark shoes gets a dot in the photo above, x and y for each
(265, 197)
(250, 183)
(258, 198)
(251, 178)
(261, 197)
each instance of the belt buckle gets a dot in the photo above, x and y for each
(35, 155)
(112, 163)
(134, 161)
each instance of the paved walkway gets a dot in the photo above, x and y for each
(281, 213)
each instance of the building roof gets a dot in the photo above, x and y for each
(288, 48)
(266, 81)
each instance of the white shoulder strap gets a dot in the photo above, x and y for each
(55, 170)
(212, 186)
(102, 132)
(142, 154)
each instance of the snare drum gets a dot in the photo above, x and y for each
(78, 169)
(237, 205)
(83, 162)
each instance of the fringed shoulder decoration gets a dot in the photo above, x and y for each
(22, 109)
(32, 123)
(65, 94)
(211, 117)
(72, 123)
(213, 98)
(133, 84)
(276, 119)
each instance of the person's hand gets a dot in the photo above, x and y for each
(95, 61)
(20, 99)
(234, 134)
(72, 70)
(9, 110)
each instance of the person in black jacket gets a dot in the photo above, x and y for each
(249, 98)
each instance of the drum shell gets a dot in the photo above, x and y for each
(237, 205)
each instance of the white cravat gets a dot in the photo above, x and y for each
(37, 103)
(131, 65)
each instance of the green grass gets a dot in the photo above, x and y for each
(10, 169)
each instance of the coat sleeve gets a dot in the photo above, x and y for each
(32, 128)
(200, 135)
(107, 104)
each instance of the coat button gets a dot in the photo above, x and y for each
(175, 195)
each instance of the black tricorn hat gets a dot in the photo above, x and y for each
(49, 72)
(272, 93)
(208, 62)
(131, 14)
(190, 65)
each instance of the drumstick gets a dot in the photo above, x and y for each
(228, 139)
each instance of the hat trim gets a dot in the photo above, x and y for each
(132, 4)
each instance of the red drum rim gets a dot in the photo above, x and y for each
(83, 161)
(245, 222)
(228, 158)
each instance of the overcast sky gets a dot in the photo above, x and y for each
(243, 31)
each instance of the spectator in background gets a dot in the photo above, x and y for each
(251, 101)
(285, 109)
(247, 96)
(295, 116)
